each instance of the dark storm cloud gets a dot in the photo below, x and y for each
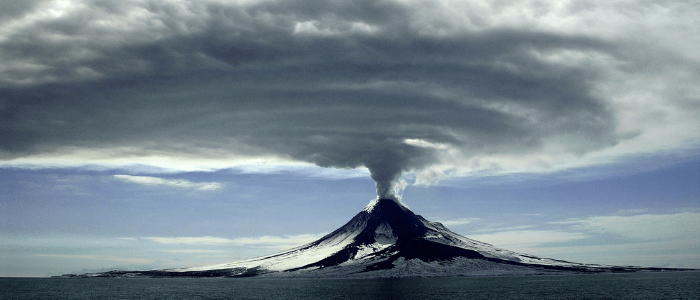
(12, 9)
(337, 83)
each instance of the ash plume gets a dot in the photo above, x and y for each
(386, 168)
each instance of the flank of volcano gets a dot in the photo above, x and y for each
(386, 239)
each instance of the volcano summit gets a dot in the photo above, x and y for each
(386, 239)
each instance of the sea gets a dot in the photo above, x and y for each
(655, 285)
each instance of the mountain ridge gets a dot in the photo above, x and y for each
(386, 239)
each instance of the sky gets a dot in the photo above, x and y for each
(145, 134)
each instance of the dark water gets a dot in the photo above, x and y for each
(671, 285)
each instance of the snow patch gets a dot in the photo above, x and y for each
(365, 251)
(384, 234)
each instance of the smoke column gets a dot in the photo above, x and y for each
(388, 163)
(385, 180)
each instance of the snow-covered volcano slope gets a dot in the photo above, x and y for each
(387, 239)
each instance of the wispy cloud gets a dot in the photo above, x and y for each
(179, 183)
(99, 257)
(518, 239)
(643, 227)
(500, 228)
(678, 253)
(302, 169)
(637, 211)
(205, 240)
(275, 241)
(642, 239)
(193, 251)
(457, 222)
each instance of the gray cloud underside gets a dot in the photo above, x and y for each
(333, 83)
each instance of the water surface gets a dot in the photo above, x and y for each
(659, 285)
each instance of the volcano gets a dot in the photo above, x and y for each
(386, 239)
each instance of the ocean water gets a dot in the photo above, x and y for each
(662, 285)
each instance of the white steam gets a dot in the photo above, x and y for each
(391, 190)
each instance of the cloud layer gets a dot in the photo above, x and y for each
(178, 183)
(680, 227)
(394, 86)
(637, 239)
(275, 242)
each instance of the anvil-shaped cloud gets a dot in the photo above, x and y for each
(393, 86)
